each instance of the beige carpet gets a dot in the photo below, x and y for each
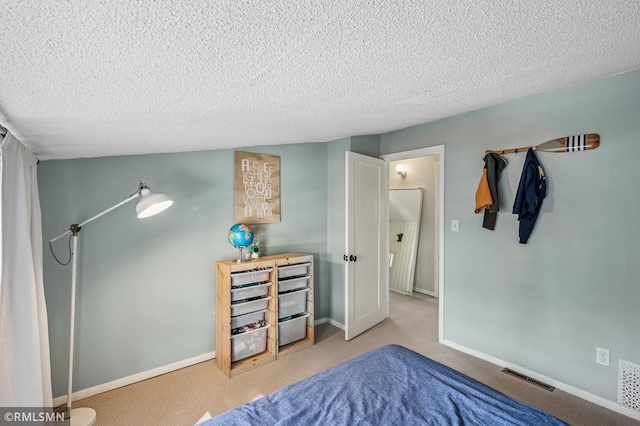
(183, 396)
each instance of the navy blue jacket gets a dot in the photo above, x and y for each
(531, 191)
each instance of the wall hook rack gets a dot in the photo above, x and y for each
(566, 144)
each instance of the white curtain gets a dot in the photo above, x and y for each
(25, 370)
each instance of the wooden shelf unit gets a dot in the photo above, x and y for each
(224, 269)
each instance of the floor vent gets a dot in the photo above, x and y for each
(629, 385)
(528, 379)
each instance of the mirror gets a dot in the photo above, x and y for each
(405, 211)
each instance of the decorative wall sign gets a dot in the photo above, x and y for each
(257, 192)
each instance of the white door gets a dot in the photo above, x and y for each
(367, 243)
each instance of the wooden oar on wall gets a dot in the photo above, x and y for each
(567, 144)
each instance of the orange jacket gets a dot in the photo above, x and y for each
(483, 194)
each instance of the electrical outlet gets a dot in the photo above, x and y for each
(602, 356)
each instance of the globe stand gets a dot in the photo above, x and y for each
(240, 236)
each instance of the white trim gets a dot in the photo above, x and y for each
(436, 220)
(138, 377)
(423, 152)
(426, 292)
(603, 402)
(336, 324)
(330, 321)
(321, 321)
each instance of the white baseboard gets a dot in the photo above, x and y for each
(427, 292)
(330, 321)
(603, 402)
(336, 324)
(321, 321)
(85, 393)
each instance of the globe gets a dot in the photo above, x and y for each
(240, 235)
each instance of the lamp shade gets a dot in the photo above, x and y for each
(151, 204)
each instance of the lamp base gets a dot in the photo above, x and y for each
(83, 416)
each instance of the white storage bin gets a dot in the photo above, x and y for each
(249, 343)
(239, 278)
(247, 319)
(292, 303)
(293, 284)
(249, 292)
(251, 306)
(293, 270)
(292, 330)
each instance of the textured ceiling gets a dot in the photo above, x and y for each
(99, 78)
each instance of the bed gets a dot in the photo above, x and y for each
(390, 385)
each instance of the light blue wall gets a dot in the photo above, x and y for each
(336, 225)
(546, 305)
(366, 145)
(146, 290)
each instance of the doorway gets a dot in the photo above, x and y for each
(424, 168)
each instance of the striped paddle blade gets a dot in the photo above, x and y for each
(571, 143)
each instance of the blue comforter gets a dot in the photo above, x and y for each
(391, 385)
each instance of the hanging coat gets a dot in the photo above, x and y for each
(483, 193)
(531, 191)
(494, 164)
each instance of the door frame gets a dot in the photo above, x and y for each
(425, 152)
